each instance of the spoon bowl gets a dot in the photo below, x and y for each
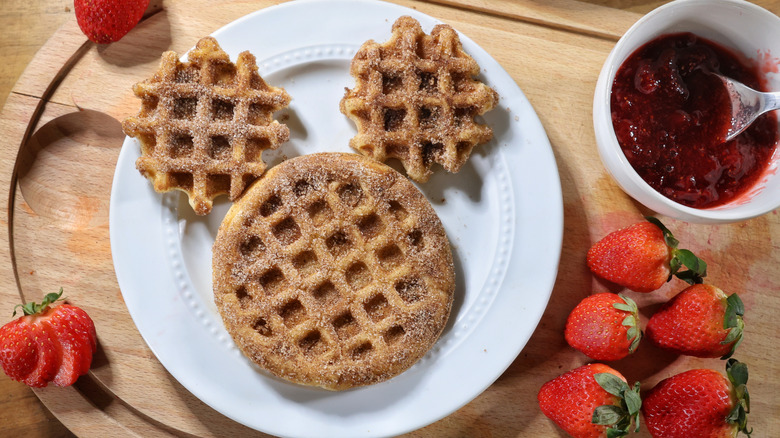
(746, 104)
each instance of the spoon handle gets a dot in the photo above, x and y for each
(771, 101)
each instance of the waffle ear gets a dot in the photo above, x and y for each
(207, 51)
(415, 99)
(204, 124)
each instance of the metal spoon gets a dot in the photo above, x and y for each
(746, 105)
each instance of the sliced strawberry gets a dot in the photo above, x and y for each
(49, 356)
(48, 344)
(68, 371)
(76, 337)
(82, 325)
(18, 352)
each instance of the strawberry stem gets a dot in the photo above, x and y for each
(732, 321)
(32, 307)
(619, 417)
(634, 333)
(737, 373)
(697, 268)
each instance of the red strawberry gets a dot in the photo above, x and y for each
(106, 21)
(604, 326)
(591, 401)
(700, 321)
(27, 353)
(643, 257)
(48, 344)
(699, 403)
(77, 338)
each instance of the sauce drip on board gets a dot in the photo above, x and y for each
(671, 117)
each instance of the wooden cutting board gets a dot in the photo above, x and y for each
(61, 127)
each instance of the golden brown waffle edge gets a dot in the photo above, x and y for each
(415, 99)
(204, 124)
(333, 271)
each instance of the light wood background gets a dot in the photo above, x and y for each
(744, 257)
(26, 27)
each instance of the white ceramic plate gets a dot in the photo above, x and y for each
(502, 213)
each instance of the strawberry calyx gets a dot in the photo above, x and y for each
(634, 333)
(697, 268)
(732, 321)
(621, 417)
(737, 373)
(33, 308)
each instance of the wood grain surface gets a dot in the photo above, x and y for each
(27, 25)
(58, 213)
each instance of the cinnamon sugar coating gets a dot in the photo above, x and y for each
(204, 124)
(333, 271)
(416, 98)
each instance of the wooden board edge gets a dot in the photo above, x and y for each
(570, 15)
(87, 411)
(62, 49)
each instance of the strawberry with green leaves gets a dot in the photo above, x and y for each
(700, 321)
(591, 401)
(604, 326)
(699, 403)
(644, 256)
(48, 344)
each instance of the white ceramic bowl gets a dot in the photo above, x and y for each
(735, 24)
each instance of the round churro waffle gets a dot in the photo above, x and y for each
(333, 270)
(415, 99)
(204, 124)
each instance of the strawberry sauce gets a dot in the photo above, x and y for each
(670, 117)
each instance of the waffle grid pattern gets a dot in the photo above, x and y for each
(415, 99)
(328, 273)
(204, 124)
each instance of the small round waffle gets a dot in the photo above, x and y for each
(333, 270)
(415, 99)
